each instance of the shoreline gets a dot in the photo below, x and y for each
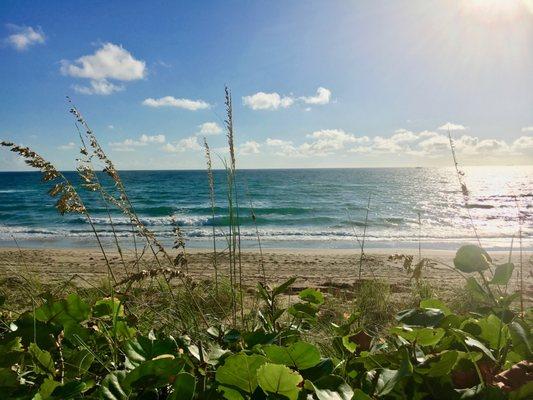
(327, 269)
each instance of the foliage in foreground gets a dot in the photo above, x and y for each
(66, 348)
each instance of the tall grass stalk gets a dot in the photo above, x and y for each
(211, 181)
(362, 254)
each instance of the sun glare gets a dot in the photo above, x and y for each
(497, 10)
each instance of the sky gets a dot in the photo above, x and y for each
(314, 83)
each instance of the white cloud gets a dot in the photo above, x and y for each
(110, 127)
(189, 143)
(249, 147)
(24, 37)
(448, 126)
(101, 87)
(267, 101)
(67, 146)
(527, 129)
(170, 101)
(144, 140)
(322, 96)
(109, 62)
(274, 101)
(209, 128)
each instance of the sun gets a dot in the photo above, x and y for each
(497, 10)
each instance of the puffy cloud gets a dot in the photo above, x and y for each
(448, 126)
(189, 143)
(209, 128)
(170, 101)
(274, 101)
(527, 129)
(24, 37)
(267, 101)
(109, 62)
(101, 87)
(143, 140)
(322, 96)
(249, 147)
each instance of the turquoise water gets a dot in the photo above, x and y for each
(294, 208)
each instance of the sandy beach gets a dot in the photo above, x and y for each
(326, 269)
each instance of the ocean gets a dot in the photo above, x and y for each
(294, 208)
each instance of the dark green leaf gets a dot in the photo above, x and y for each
(299, 355)
(112, 386)
(332, 387)
(284, 286)
(42, 360)
(502, 274)
(154, 373)
(183, 387)
(428, 317)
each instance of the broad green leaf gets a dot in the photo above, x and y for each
(112, 386)
(421, 336)
(300, 355)
(444, 365)
(68, 391)
(108, 307)
(360, 395)
(435, 303)
(303, 310)
(47, 387)
(521, 340)
(388, 378)
(475, 289)
(8, 378)
(312, 296)
(42, 360)
(79, 362)
(428, 317)
(240, 371)
(279, 380)
(471, 258)
(493, 331)
(230, 393)
(523, 393)
(323, 368)
(477, 344)
(332, 387)
(183, 387)
(142, 348)
(154, 373)
(67, 312)
(502, 274)
(284, 286)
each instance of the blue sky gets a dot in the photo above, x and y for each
(315, 83)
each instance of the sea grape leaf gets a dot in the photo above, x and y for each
(477, 344)
(112, 387)
(184, 387)
(79, 362)
(155, 373)
(42, 360)
(493, 331)
(279, 380)
(240, 371)
(230, 393)
(323, 368)
(476, 290)
(471, 258)
(502, 274)
(303, 310)
(68, 312)
(388, 378)
(421, 336)
(360, 395)
(299, 355)
(332, 387)
(444, 365)
(312, 296)
(8, 378)
(142, 348)
(427, 317)
(111, 307)
(47, 387)
(435, 303)
(521, 340)
(69, 390)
